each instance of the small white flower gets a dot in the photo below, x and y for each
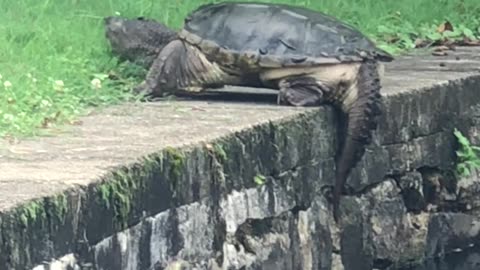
(8, 117)
(58, 85)
(7, 84)
(117, 13)
(45, 103)
(30, 76)
(96, 83)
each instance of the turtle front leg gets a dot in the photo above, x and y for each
(165, 74)
(181, 67)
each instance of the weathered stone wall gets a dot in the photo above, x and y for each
(286, 223)
(254, 199)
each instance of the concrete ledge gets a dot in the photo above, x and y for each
(69, 194)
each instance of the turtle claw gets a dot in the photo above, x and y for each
(300, 91)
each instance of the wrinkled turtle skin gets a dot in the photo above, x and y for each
(309, 57)
(137, 40)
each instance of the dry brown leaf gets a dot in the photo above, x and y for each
(420, 42)
(439, 53)
(441, 48)
(113, 76)
(11, 139)
(48, 121)
(198, 109)
(391, 39)
(446, 26)
(468, 42)
(451, 46)
(76, 122)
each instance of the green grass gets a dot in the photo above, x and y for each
(44, 43)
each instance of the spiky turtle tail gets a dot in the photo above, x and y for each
(361, 121)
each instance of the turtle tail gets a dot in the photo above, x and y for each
(361, 121)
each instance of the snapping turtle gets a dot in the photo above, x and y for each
(309, 57)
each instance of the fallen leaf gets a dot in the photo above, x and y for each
(469, 42)
(391, 39)
(439, 53)
(420, 42)
(76, 122)
(48, 121)
(446, 26)
(441, 48)
(198, 109)
(11, 139)
(113, 76)
(451, 46)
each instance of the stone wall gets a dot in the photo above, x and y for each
(253, 198)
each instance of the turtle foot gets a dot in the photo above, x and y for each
(300, 91)
(142, 90)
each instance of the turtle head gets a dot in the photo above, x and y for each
(137, 40)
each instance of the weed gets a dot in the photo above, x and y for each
(467, 154)
(220, 152)
(259, 179)
(33, 211)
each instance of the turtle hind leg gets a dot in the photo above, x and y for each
(181, 67)
(300, 91)
(362, 118)
(355, 92)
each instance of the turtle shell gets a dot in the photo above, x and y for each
(263, 35)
